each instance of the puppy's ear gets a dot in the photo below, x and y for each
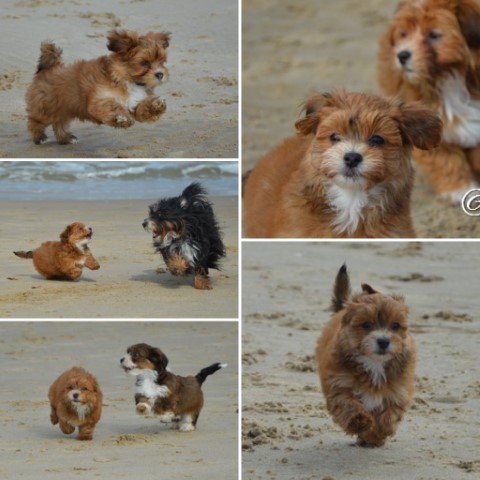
(347, 318)
(65, 234)
(121, 41)
(367, 289)
(162, 38)
(468, 15)
(420, 126)
(310, 122)
(159, 359)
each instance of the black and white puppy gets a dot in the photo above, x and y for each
(186, 233)
(157, 390)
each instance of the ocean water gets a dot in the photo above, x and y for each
(98, 180)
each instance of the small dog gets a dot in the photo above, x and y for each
(114, 90)
(431, 54)
(64, 260)
(76, 401)
(366, 359)
(157, 390)
(347, 174)
(187, 234)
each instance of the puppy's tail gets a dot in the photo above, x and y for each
(23, 254)
(193, 190)
(50, 56)
(202, 375)
(341, 289)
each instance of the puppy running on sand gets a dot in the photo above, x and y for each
(348, 173)
(64, 260)
(366, 360)
(76, 401)
(114, 90)
(157, 390)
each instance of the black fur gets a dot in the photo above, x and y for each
(202, 375)
(191, 223)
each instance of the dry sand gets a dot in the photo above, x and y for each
(124, 445)
(291, 48)
(202, 93)
(127, 285)
(287, 433)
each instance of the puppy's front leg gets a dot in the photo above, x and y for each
(150, 109)
(90, 261)
(85, 431)
(108, 112)
(386, 426)
(349, 413)
(202, 281)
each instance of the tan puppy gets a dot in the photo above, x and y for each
(64, 260)
(157, 390)
(114, 90)
(76, 401)
(431, 54)
(366, 360)
(347, 174)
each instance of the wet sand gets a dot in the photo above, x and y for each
(287, 432)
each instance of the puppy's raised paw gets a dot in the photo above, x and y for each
(359, 423)
(158, 106)
(143, 409)
(122, 121)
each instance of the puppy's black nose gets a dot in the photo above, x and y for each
(404, 56)
(383, 343)
(75, 396)
(352, 159)
(145, 223)
(122, 359)
(159, 75)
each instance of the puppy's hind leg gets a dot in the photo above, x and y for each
(63, 135)
(53, 415)
(37, 130)
(187, 423)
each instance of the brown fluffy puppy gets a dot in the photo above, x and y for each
(366, 360)
(64, 260)
(347, 174)
(76, 401)
(114, 90)
(159, 391)
(431, 54)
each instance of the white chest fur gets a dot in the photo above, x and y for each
(461, 111)
(146, 386)
(136, 94)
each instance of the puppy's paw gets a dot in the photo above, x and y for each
(158, 106)
(359, 423)
(122, 121)
(203, 283)
(366, 443)
(143, 408)
(186, 427)
(68, 139)
(40, 139)
(85, 436)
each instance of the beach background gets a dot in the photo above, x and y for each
(292, 48)
(37, 201)
(287, 432)
(124, 444)
(201, 120)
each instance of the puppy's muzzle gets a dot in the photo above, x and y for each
(383, 344)
(403, 57)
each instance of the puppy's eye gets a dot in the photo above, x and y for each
(145, 64)
(376, 141)
(367, 325)
(395, 327)
(335, 137)
(84, 389)
(433, 35)
(134, 355)
(403, 34)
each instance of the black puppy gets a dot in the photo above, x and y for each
(187, 234)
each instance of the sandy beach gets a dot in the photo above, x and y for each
(291, 49)
(287, 433)
(201, 95)
(124, 445)
(127, 284)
